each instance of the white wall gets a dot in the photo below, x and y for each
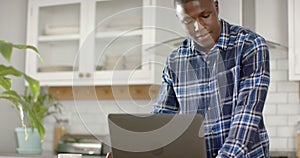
(12, 28)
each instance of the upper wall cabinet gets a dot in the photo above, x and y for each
(99, 42)
(266, 17)
(294, 39)
(271, 20)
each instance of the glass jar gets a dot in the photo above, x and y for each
(298, 139)
(60, 129)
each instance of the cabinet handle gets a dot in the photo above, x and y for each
(81, 75)
(88, 75)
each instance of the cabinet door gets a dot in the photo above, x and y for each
(119, 41)
(238, 12)
(294, 39)
(100, 42)
(271, 20)
(230, 10)
(54, 26)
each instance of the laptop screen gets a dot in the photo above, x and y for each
(156, 135)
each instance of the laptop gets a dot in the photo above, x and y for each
(156, 135)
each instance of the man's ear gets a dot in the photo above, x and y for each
(217, 6)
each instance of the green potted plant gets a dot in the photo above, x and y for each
(45, 105)
(6, 92)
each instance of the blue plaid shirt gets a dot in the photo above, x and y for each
(228, 86)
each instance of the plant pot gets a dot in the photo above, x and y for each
(30, 146)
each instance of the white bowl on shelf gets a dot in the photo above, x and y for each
(57, 68)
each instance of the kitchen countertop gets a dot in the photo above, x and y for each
(43, 155)
(273, 154)
(283, 154)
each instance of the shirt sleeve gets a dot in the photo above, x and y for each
(166, 100)
(255, 78)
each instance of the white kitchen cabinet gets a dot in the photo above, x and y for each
(99, 42)
(271, 20)
(55, 27)
(294, 39)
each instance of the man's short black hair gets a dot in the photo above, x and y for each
(182, 1)
(176, 2)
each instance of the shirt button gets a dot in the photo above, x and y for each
(214, 154)
(208, 62)
(209, 108)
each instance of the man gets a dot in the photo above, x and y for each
(222, 72)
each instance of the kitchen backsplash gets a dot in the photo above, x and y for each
(90, 117)
(282, 109)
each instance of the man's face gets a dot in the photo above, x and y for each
(200, 21)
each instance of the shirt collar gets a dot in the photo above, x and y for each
(223, 39)
(224, 36)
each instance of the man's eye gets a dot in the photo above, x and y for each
(187, 20)
(205, 15)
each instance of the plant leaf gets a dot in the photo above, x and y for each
(7, 96)
(5, 83)
(19, 46)
(34, 85)
(9, 70)
(6, 49)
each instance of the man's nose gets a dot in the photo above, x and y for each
(197, 26)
